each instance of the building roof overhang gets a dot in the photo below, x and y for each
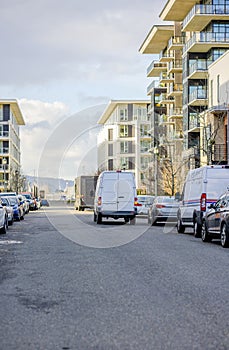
(157, 39)
(114, 103)
(177, 10)
(15, 108)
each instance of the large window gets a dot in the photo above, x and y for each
(144, 129)
(110, 134)
(123, 114)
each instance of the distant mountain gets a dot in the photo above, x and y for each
(48, 184)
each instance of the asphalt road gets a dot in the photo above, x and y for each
(154, 290)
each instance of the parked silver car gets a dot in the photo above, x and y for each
(10, 213)
(143, 204)
(164, 209)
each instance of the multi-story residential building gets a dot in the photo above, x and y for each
(124, 141)
(10, 119)
(198, 37)
(214, 128)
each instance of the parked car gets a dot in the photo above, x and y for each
(10, 214)
(163, 209)
(216, 222)
(17, 208)
(24, 203)
(30, 199)
(202, 187)
(44, 203)
(143, 204)
(3, 219)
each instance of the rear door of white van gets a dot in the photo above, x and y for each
(109, 192)
(125, 192)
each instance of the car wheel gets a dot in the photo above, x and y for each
(204, 233)
(197, 228)
(4, 228)
(224, 236)
(99, 219)
(180, 227)
(126, 220)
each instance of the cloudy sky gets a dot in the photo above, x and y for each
(59, 58)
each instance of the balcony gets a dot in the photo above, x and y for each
(219, 154)
(164, 120)
(165, 99)
(165, 78)
(198, 70)
(4, 167)
(155, 68)
(175, 90)
(4, 134)
(175, 67)
(176, 43)
(194, 123)
(166, 56)
(155, 84)
(4, 150)
(198, 97)
(201, 15)
(175, 136)
(204, 41)
(176, 113)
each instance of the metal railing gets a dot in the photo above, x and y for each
(156, 64)
(198, 94)
(206, 37)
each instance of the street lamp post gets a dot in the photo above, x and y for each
(155, 151)
(16, 178)
(4, 162)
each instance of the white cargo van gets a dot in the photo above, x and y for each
(202, 187)
(115, 196)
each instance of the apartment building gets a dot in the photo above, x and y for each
(11, 119)
(214, 121)
(185, 50)
(124, 141)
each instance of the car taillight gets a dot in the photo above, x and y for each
(100, 201)
(203, 202)
(159, 206)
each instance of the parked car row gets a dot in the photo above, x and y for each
(13, 207)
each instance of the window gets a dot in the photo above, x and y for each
(144, 130)
(110, 164)
(145, 162)
(123, 114)
(110, 150)
(218, 89)
(110, 134)
(144, 146)
(124, 147)
(126, 130)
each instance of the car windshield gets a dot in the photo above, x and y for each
(13, 200)
(145, 200)
(27, 196)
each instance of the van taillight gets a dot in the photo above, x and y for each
(135, 202)
(99, 200)
(203, 202)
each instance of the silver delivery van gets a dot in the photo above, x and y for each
(115, 196)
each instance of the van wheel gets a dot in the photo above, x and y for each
(204, 233)
(180, 227)
(133, 221)
(197, 228)
(99, 219)
(224, 236)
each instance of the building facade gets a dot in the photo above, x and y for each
(124, 141)
(198, 37)
(11, 119)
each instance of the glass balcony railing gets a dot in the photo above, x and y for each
(176, 41)
(156, 65)
(198, 94)
(175, 88)
(221, 9)
(199, 65)
(177, 64)
(4, 150)
(4, 133)
(206, 38)
(173, 112)
(194, 121)
(165, 56)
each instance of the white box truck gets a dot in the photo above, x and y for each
(202, 187)
(115, 196)
(85, 191)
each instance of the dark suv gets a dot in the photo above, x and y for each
(216, 222)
